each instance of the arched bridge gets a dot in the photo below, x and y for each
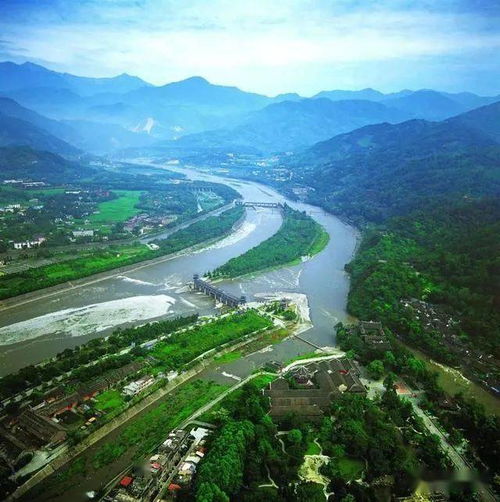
(218, 294)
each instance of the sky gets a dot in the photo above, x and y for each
(265, 46)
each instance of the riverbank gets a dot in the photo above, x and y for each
(100, 457)
(115, 271)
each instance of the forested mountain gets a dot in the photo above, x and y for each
(22, 162)
(485, 119)
(17, 132)
(426, 194)
(386, 170)
(294, 124)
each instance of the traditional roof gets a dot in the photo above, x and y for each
(332, 377)
(41, 427)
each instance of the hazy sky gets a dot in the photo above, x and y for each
(268, 46)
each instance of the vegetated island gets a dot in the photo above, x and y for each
(299, 235)
(98, 261)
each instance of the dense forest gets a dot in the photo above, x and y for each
(364, 439)
(298, 236)
(117, 256)
(443, 255)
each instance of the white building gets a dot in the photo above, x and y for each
(29, 244)
(134, 388)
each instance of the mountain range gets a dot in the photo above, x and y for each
(103, 115)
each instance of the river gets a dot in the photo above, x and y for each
(33, 331)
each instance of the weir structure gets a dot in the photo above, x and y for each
(218, 294)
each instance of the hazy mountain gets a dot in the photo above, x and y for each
(294, 124)
(95, 137)
(15, 77)
(11, 108)
(385, 170)
(101, 138)
(485, 119)
(427, 104)
(17, 132)
(340, 95)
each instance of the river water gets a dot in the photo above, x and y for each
(40, 328)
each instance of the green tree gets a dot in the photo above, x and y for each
(375, 369)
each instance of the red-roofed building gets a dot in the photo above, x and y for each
(173, 487)
(126, 481)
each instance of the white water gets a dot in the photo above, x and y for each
(89, 319)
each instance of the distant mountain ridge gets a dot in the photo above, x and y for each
(14, 77)
(117, 112)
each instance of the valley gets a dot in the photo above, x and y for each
(214, 295)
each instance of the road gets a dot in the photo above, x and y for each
(463, 469)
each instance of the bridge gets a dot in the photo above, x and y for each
(218, 294)
(277, 205)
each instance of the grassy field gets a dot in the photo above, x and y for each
(151, 428)
(109, 400)
(350, 468)
(230, 356)
(313, 449)
(120, 209)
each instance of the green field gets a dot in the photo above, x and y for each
(230, 356)
(109, 400)
(120, 209)
(96, 261)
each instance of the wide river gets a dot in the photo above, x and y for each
(38, 329)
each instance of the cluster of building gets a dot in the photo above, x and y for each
(372, 333)
(308, 390)
(146, 223)
(170, 469)
(24, 184)
(44, 425)
(29, 244)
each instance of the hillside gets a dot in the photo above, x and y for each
(485, 120)
(29, 164)
(290, 125)
(386, 170)
(17, 132)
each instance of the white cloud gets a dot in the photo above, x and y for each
(246, 43)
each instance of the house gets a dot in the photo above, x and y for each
(134, 388)
(59, 406)
(83, 233)
(330, 379)
(41, 428)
